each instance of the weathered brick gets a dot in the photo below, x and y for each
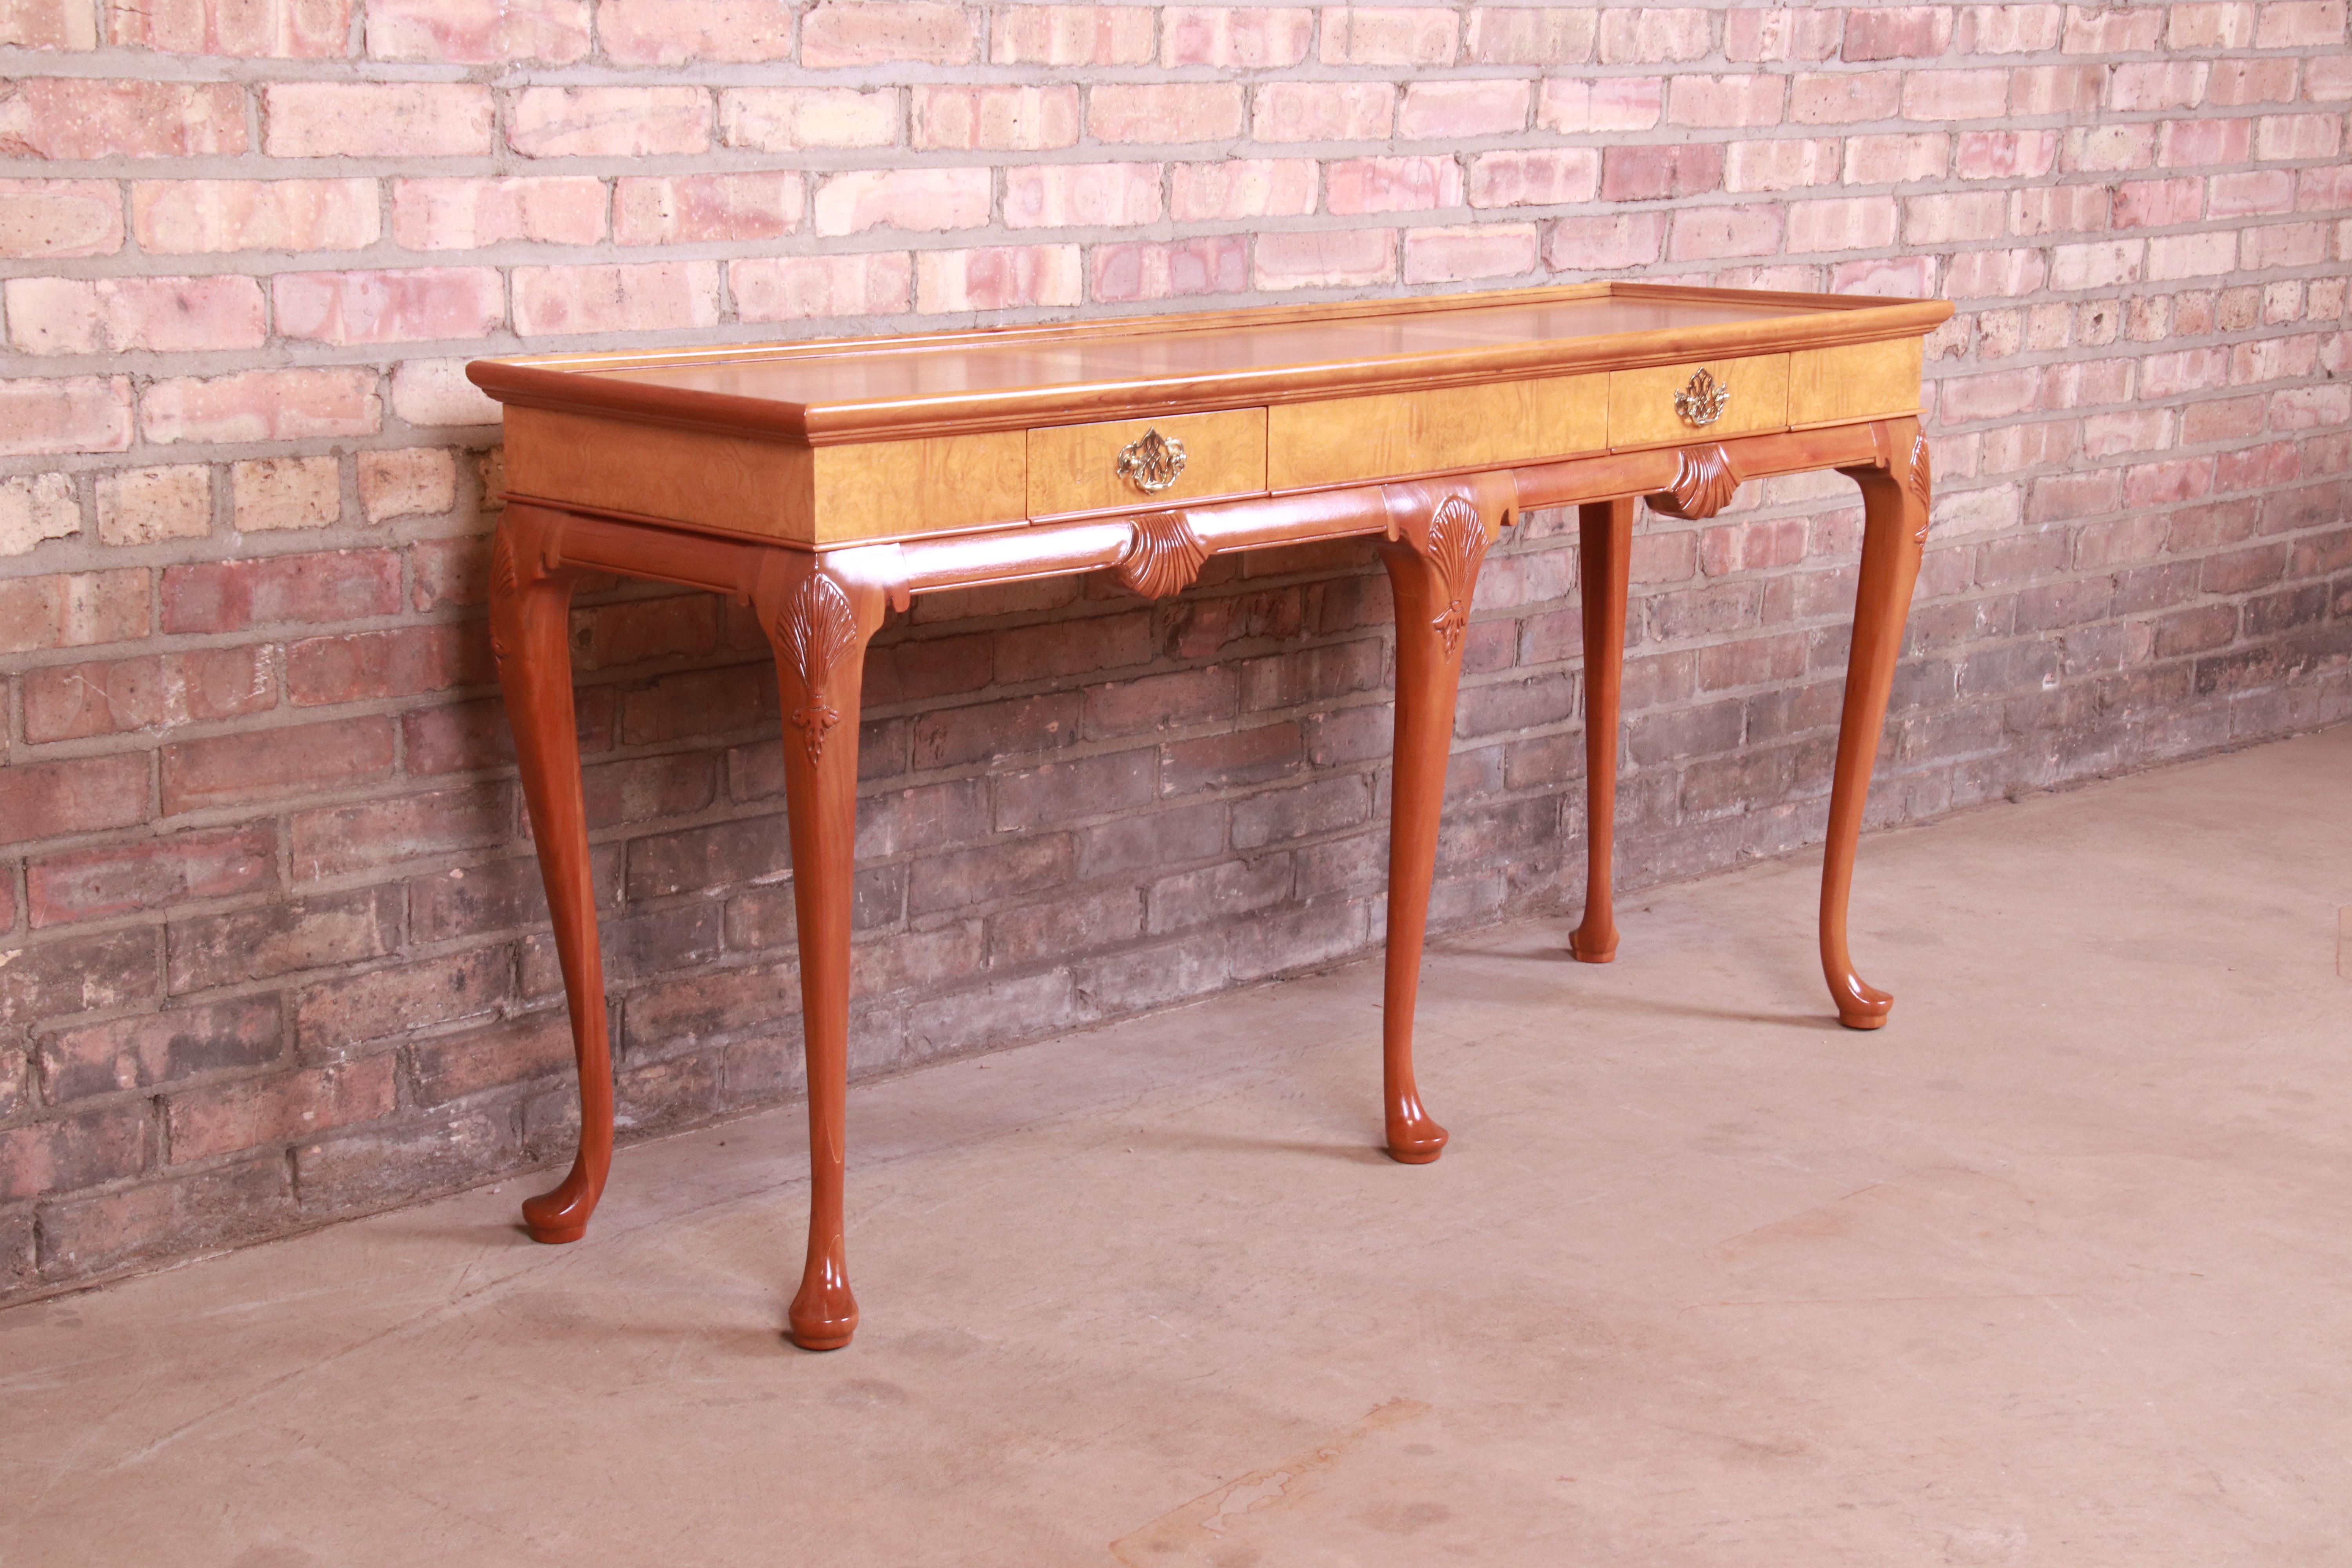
(75, 1152)
(233, 595)
(337, 840)
(608, 121)
(155, 1050)
(270, 765)
(151, 874)
(81, 118)
(79, 974)
(88, 794)
(375, 120)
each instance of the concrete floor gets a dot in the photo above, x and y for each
(2056, 1270)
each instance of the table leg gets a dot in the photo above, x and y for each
(1432, 571)
(1605, 548)
(1894, 497)
(818, 624)
(529, 615)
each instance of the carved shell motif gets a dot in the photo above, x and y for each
(1163, 558)
(1457, 542)
(1923, 484)
(1704, 484)
(817, 627)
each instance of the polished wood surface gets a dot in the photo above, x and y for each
(826, 484)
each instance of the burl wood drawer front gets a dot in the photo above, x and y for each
(880, 488)
(1351, 439)
(1748, 397)
(1860, 381)
(1077, 467)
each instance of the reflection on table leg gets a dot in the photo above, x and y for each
(1433, 570)
(1605, 544)
(530, 612)
(818, 624)
(1895, 497)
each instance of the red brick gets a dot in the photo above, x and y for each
(122, 315)
(999, 278)
(397, 305)
(269, 765)
(74, 1152)
(159, 1049)
(797, 288)
(682, 32)
(1714, 233)
(1210, 265)
(203, 1122)
(1065, 196)
(1726, 101)
(49, 24)
(1450, 110)
(366, 665)
(204, 216)
(87, 1235)
(1650, 34)
(789, 119)
(151, 873)
(608, 121)
(1605, 244)
(49, 800)
(333, 929)
(1897, 32)
(279, 29)
(877, 32)
(1477, 250)
(1389, 35)
(234, 596)
(1070, 35)
(1846, 98)
(1516, 35)
(332, 1017)
(1326, 258)
(478, 32)
(79, 118)
(467, 214)
(79, 974)
(375, 120)
(79, 414)
(1323, 111)
(1538, 177)
(1577, 107)
(72, 609)
(647, 298)
(57, 219)
(1355, 186)
(1163, 112)
(1654, 173)
(263, 405)
(505, 1053)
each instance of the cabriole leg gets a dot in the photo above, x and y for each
(1604, 545)
(530, 610)
(1895, 499)
(818, 624)
(1433, 570)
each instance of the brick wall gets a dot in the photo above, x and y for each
(270, 941)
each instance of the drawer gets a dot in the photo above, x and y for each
(1346, 440)
(1859, 381)
(1642, 402)
(1077, 467)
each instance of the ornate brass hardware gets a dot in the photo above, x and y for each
(1152, 462)
(1704, 400)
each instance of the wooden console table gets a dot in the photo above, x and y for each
(825, 482)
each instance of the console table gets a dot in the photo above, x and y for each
(826, 482)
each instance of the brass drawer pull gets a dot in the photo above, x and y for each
(1704, 400)
(1152, 462)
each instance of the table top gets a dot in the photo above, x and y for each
(828, 392)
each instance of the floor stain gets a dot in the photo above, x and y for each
(1197, 1530)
